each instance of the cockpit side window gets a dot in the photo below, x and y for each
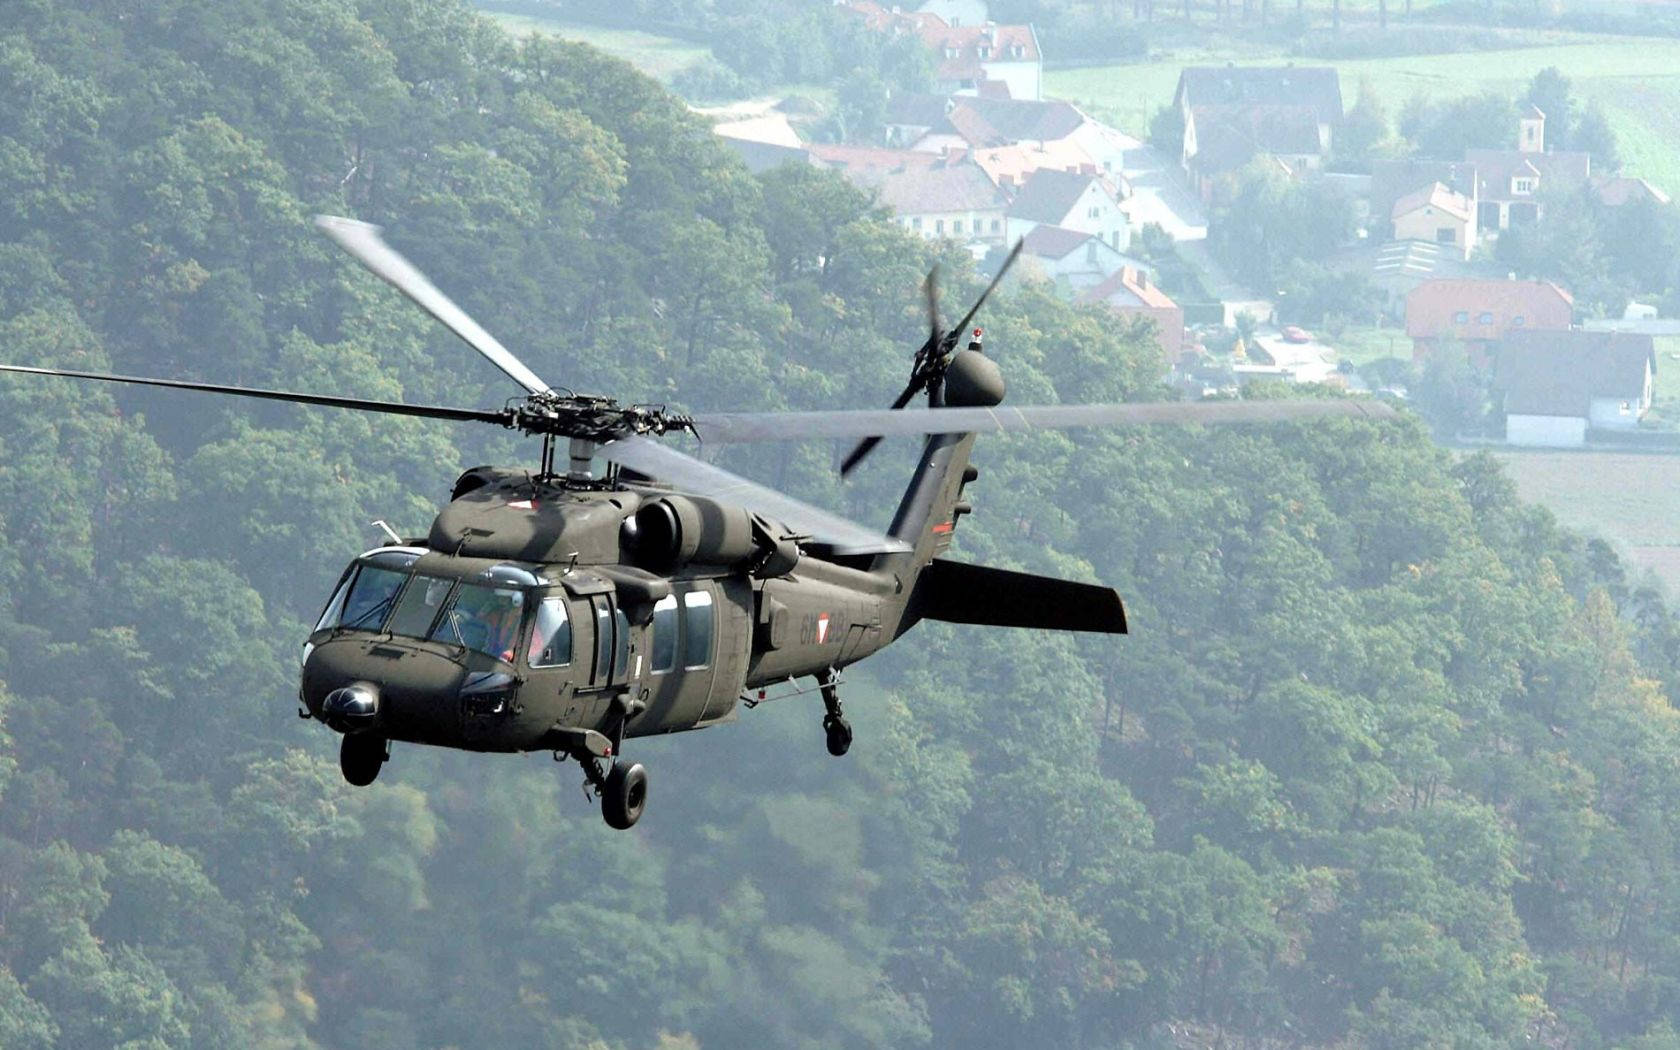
(369, 600)
(551, 635)
(335, 605)
(485, 619)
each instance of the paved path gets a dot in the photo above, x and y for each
(1160, 196)
(1236, 298)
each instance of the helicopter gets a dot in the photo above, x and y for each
(567, 611)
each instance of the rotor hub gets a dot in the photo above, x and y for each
(591, 418)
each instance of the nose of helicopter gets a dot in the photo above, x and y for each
(401, 689)
(351, 707)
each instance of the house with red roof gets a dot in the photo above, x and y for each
(1130, 293)
(984, 59)
(1436, 213)
(1477, 313)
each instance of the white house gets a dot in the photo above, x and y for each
(1073, 258)
(1083, 202)
(1559, 384)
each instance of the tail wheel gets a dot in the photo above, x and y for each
(839, 733)
(624, 795)
(360, 756)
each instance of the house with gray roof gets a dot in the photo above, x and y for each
(1085, 202)
(1509, 181)
(1222, 140)
(949, 199)
(1557, 385)
(1072, 259)
(1232, 113)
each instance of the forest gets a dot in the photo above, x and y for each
(1389, 759)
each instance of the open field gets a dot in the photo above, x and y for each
(1636, 80)
(1631, 499)
(661, 57)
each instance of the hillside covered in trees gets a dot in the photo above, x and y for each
(1389, 760)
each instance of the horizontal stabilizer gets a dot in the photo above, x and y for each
(957, 592)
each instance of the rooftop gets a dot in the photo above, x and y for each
(1559, 373)
(1438, 197)
(1315, 87)
(1048, 195)
(1228, 137)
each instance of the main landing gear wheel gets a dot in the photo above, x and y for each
(360, 756)
(835, 726)
(624, 795)
(839, 734)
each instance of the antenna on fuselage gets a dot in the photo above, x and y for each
(396, 541)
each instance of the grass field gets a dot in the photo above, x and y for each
(1630, 499)
(1636, 80)
(661, 57)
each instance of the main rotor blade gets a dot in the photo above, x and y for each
(867, 445)
(878, 423)
(362, 240)
(395, 408)
(684, 471)
(962, 325)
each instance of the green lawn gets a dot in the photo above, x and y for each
(661, 57)
(1636, 80)
(1633, 500)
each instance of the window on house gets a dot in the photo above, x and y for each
(950, 52)
(985, 52)
(1462, 317)
(916, 223)
(1446, 235)
(997, 225)
(939, 226)
(1522, 185)
(956, 225)
(1517, 321)
(1484, 318)
(1093, 212)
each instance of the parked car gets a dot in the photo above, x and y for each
(1293, 334)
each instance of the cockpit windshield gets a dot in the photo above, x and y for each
(382, 593)
(482, 618)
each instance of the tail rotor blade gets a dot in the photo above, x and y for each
(931, 287)
(363, 241)
(962, 325)
(867, 445)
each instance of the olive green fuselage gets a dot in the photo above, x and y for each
(641, 651)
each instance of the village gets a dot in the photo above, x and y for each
(1109, 218)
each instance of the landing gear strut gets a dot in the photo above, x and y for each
(835, 726)
(622, 788)
(360, 756)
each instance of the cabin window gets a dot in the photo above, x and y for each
(483, 619)
(621, 648)
(665, 634)
(551, 635)
(418, 606)
(603, 639)
(697, 629)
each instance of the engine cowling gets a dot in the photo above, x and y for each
(670, 532)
